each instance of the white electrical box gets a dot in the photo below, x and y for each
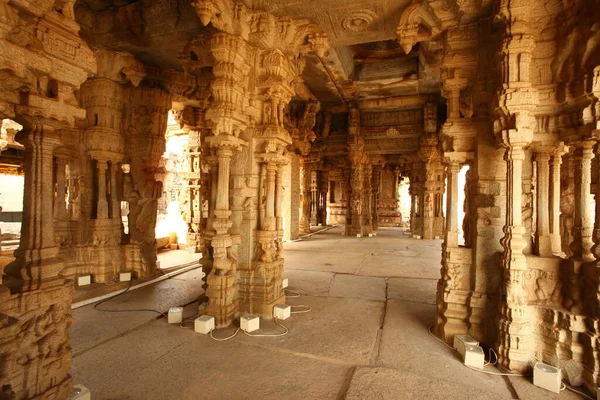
(285, 283)
(474, 356)
(125, 276)
(83, 280)
(359, 235)
(175, 315)
(80, 392)
(204, 324)
(282, 311)
(547, 377)
(460, 341)
(370, 235)
(250, 323)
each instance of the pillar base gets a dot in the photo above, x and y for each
(221, 293)
(36, 323)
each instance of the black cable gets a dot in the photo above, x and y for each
(126, 310)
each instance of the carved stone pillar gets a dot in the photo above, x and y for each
(543, 238)
(306, 198)
(314, 197)
(322, 197)
(221, 279)
(114, 195)
(515, 324)
(367, 210)
(454, 284)
(101, 187)
(375, 187)
(582, 224)
(555, 203)
(60, 206)
(356, 199)
(451, 237)
(36, 257)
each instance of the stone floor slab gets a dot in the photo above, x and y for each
(390, 384)
(361, 287)
(313, 283)
(408, 289)
(92, 326)
(165, 362)
(406, 344)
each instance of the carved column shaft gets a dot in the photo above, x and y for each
(269, 223)
(555, 204)
(37, 248)
(543, 240)
(452, 205)
(116, 204)
(224, 155)
(515, 330)
(582, 224)
(102, 203)
(306, 199)
(60, 207)
(323, 189)
(375, 188)
(279, 198)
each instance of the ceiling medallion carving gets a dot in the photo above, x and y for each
(359, 21)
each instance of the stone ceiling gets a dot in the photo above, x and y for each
(364, 62)
(345, 22)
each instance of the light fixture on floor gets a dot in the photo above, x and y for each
(204, 324)
(83, 280)
(125, 276)
(250, 323)
(175, 315)
(474, 356)
(460, 341)
(282, 311)
(285, 283)
(547, 377)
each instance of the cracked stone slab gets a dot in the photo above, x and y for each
(385, 383)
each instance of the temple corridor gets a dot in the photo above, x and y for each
(439, 159)
(372, 301)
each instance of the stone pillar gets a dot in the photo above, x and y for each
(36, 257)
(454, 286)
(542, 233)
(356, 199)
(314, 198)
(451, 237)
(114, 198)
(102, 203)
(367, 196)
(375, 187)
(60, 206)
(555, 203)
(221, 280)
(582, 224)
(322, 197)
(515, 322)
(306, 198)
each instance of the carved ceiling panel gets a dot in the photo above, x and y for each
(345, 22)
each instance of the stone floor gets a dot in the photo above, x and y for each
(366, 337)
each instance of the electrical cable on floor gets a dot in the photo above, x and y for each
(578, 392)
(308, 309)
(225, 338)
(476, 369)
(125, 310)
(286, 330)
(293, 295)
